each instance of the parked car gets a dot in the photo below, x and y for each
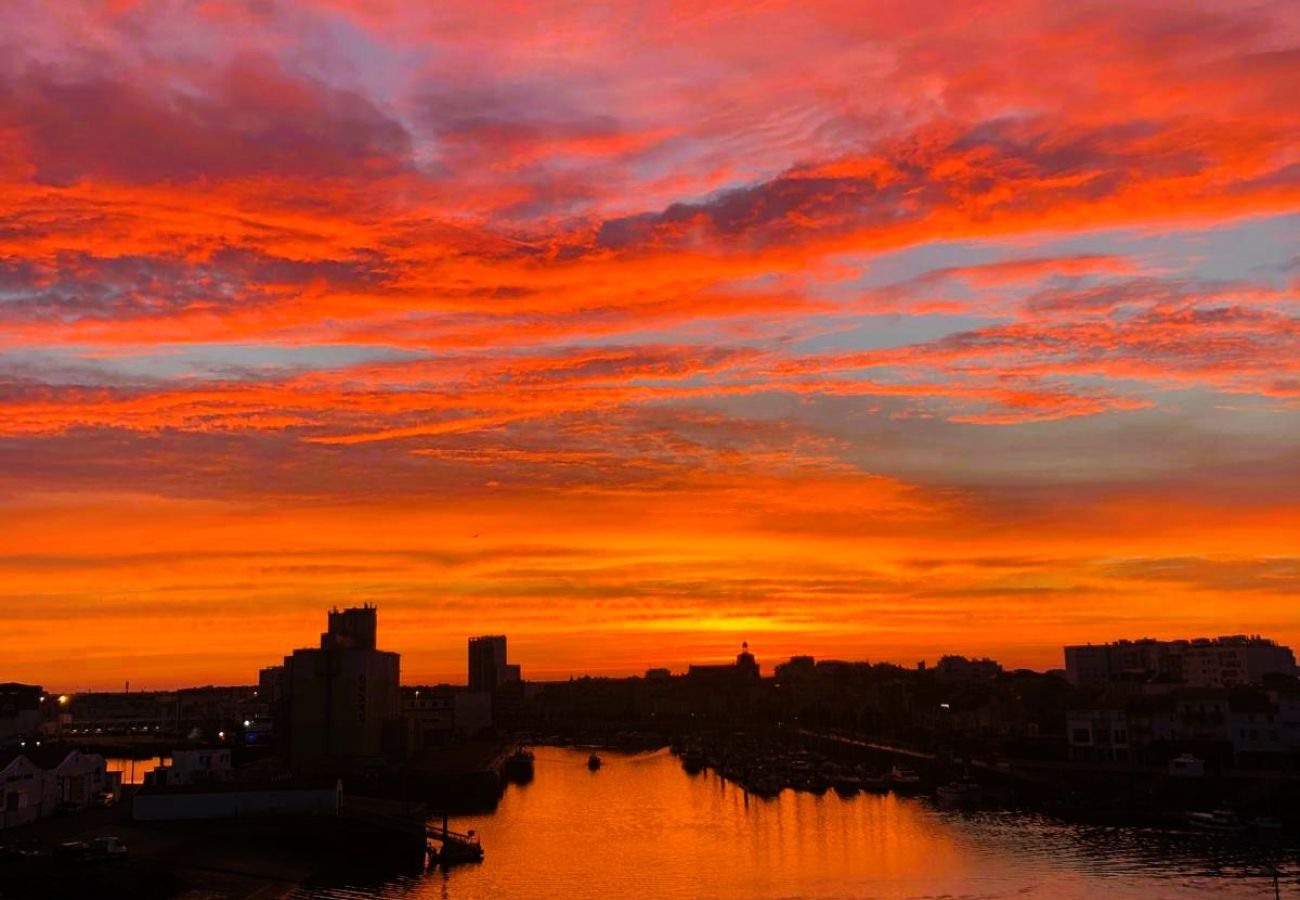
(71, 851)
(14, 854)
(102, 848)
(103, 798)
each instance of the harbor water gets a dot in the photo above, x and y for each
(134, 770)
(640, 827)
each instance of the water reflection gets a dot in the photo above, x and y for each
(133, 770)
(640, 827)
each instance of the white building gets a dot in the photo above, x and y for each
(27, 792)
(31, 791)
(81, 776)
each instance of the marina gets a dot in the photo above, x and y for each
(663, 832)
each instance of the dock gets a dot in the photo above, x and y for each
(447, 847)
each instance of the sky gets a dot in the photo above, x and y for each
(635, 330)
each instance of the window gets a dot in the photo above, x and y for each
(1081, 736)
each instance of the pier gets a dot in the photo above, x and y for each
(447, 847)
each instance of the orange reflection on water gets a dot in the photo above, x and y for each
(134, 770)
(641, 828)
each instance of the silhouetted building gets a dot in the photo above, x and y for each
(20, 711)
(270, 684)
(1234, 660)
(122, 713)
(192, 713)
(437, 715)
(429, 714)
(350, 629)
(744, 671)
(959, 668)
(1202, 662)
(797, 668)
(343, 700)
(488, 668)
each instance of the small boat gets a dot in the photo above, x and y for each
(904, 779)
(693, 760)
(847, 785)
(1216, 820)
(967, 790)
(519, 765)
(593, 762)
(1266, 823)
(871, 780)
(1185, 765)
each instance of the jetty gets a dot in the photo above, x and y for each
(447, 847)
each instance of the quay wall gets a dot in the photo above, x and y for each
(172, 806)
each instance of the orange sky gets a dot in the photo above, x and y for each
(636, 331)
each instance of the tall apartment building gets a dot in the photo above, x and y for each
(488, 666)
(1203, 662)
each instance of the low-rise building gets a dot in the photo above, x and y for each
(1229, 727)
(430, 715)
(40, 781)
(121, 713)
(82, 776)
(27, 791)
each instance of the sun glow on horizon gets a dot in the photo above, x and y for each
(634, 333)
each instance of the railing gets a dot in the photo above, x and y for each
(441, 834)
